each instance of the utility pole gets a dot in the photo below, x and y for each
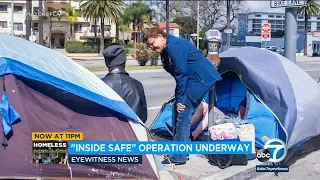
(290, 34)
(198, 31)
(167, 16)
(12, 17)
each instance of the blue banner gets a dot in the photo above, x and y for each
(135, 148)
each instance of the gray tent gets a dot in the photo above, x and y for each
(289, 97)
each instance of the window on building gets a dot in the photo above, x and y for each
(107, 27)
(256, 21)
(300, 27)
(18, 27)
(309, 28)
(63, 9)
(318, 17)
(300, 17)
(256, 30)
(309, 23)
(256, 26)
(257, 15)
(3, 8)
(50, 9)
(300, 23)
(279, 27)
(78, 27)
(278, 16)
(35, 9)
(35, 26)
(318, 25)
(17, 9)
(3, 24)
(170, 31)
(271, 21)
(279, 22)
(93, 27)
(270, 16)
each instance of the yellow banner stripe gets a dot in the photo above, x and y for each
(64, 136)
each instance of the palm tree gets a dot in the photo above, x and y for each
(72, 16)
(138, 14)
(101, 9)
(311, 8)
(40, 23)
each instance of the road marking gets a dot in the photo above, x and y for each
(154, 107)
(307, 70)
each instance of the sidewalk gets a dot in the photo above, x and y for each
(204, 171)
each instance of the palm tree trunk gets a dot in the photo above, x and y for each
(102, 35)
(28, 19)
(117, 31)
(40, 24)
(123, 44)
(50, 33)
(95, 31)
(71, 34)
(305, 32)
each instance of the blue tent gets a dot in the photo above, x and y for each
(44, 91)
(283, 101)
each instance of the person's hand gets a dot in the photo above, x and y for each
(180, 107)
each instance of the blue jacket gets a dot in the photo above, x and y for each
(193, 72)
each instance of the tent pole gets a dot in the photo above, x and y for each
(211, 119)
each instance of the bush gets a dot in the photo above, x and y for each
(80, 47)
(154, 57)
(130, 45)
(142, 55)
(128, 50)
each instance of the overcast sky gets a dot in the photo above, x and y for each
(263, 6)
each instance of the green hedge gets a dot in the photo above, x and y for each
(80, 47)
(84, 47)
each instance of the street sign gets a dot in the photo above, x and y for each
(286, 3)
(266, 32)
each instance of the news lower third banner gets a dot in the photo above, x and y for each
(140, 148)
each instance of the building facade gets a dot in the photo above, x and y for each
(59, 29)
(277, 21)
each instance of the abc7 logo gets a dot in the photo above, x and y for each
(278, 155)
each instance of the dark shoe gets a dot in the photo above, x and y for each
(167, 163)
(188, 158)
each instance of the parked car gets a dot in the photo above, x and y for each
(280, 51)
(272, 48)
(316, 54)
